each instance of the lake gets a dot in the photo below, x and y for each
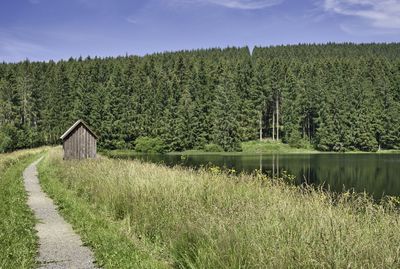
(377, 174)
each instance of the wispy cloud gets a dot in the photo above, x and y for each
(236, 4)
(131, 20)
(15, 50)
(360, 30)
(14, 47)
(379, 13)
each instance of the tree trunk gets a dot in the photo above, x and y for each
(273, 124)
(277, 118)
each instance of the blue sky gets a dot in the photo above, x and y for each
(58, 29)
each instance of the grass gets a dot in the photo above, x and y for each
(255, 147)
(389, 151)
(265, 146)
(18, 240)
(104, 234)
(144, 215)
(270, 146)
(248, 148)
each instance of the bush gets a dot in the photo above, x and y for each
(213, 148)
(150, 145)
(300, 143)
(6, 143)
(295, 140)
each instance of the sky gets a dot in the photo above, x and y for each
(42, 30)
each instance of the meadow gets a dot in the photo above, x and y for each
(143, 215)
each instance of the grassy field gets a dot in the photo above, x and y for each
(18, 241)
(142, 215)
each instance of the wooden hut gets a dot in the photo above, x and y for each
(79, 142)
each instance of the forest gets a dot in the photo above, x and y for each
(335, 97)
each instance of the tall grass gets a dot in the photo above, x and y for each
(18, 241)
(8, 159)
(208, 219)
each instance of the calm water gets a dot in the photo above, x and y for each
(378, 174)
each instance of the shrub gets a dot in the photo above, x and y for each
(300, 143)
(6, 143)
(149, 145)
(213, 148)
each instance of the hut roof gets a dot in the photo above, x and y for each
(76, 125)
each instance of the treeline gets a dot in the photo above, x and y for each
(335, 97)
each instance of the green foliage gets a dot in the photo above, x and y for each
(270, 146)
(225, 114)
(338, 96)
(5, 142)
(149, 145)
(213, 148)
(299, 143)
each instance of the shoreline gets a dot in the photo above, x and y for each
(240, 153)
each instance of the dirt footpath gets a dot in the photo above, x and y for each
(59, 245)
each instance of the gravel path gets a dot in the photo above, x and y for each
(59, 245)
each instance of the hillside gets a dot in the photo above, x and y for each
(336, 97)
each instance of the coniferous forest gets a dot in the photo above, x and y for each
(336, 97)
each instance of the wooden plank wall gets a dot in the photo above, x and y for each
(80, 144)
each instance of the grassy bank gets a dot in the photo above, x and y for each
(150, 216)
(248, 148)
(270, 146)
(252, 148)
(18, 241)
(256, 147)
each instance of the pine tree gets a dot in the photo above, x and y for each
(225, 111)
